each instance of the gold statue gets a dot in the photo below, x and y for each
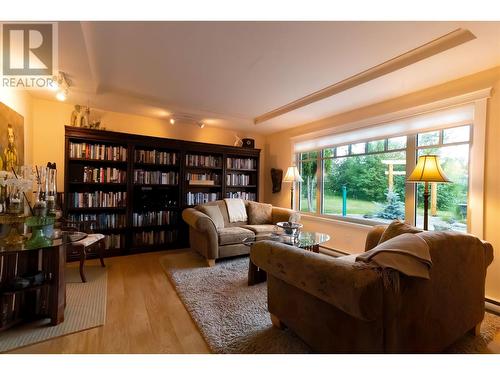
(10, 153)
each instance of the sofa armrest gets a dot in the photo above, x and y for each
(282, 214)
(198, 220)
(356, 291)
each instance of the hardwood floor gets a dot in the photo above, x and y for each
(144, 315)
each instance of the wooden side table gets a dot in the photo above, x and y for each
(44, 300)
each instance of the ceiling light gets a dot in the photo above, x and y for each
(61, 95)
(172, 120)
(201, 125)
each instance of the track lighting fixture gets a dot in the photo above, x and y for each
(60, 84)
(62, 95)
(201, 125)
(172, 121)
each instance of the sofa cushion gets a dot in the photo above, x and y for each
(260, 213)
(395, 229)
(233, 235)
(223, 210)
(261, 229)
(214, 213)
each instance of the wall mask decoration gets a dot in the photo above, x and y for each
(276, 177)
(11, 139)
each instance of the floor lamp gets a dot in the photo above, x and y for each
(292, 176)
(427, 170)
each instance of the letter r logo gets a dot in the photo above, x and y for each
(27, 49)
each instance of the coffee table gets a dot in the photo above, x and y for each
(309, 241)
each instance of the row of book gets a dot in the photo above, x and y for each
(203, 161)
(97, 151)
(238, 163)
(155, 157)
(155, 237)
(98, 199)
(242, 195)
(114, 241)
(235, 179)
(155, 177)
(154, 218)
(104, 175)
(100, 221)
(215, 177)
(200, 198)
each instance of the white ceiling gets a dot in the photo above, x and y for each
(227, 73)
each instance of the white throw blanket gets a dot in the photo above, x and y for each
(236, 210)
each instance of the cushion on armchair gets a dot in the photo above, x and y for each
(260, 213)
(395, 229)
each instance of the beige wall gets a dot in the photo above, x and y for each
(51, 116)
(351, 239)
(21, 102)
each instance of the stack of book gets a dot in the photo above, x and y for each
(238, 163)
(97, 152)
(161, 237)
(156, 177)
(200, 198)
(203, 161)
(235, 179)
(154, 218)
(114, 241)
(203, 178)
(242, 195)
(104, 175)
(100, 221)
(98, 199)
(155, 157)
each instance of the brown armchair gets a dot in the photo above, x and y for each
(336, 306)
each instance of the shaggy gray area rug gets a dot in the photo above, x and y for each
(233, 317)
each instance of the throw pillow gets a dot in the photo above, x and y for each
(260, 213)
(395, 229)
(214, 213)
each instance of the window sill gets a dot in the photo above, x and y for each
(340, 220)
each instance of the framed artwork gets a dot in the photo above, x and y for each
(11, 138)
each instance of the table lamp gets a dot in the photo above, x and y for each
(427, 170)
(292, 176)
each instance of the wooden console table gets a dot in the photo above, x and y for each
(43, 300)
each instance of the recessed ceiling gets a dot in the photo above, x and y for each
(230, 72)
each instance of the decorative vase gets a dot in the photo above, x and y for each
(38, 237)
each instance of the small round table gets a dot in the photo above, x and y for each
(309, 241)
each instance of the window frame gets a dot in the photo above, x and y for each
(411, 150)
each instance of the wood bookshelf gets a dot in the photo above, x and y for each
(155, 196)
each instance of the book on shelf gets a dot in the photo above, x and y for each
(100, 221)
(155, 157)
(154, 218)
(155, 237)
(114, 241)
(200, 198)
(98, 199)
(104, 175)
(202, 182)
(94, 151)
(242, 195)
(237, 179)
(155, 177)
(208, 161)
(241, 163)
(213, 177)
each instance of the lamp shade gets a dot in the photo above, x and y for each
(428, 170)
(292, 175)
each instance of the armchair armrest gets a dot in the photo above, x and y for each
(357, 292)
(282, 214)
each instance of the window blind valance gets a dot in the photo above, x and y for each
(445, 118)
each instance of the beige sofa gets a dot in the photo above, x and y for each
(214, 243)
(336, 306)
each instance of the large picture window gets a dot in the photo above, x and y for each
(367, 180)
